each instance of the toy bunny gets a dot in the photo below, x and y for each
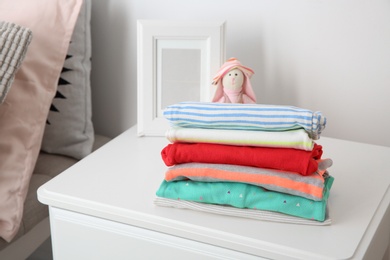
(233, 83)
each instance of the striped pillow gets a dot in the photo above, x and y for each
(14, 42)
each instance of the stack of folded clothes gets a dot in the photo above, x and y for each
(247, 160)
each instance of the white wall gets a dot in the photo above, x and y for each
(328, 55)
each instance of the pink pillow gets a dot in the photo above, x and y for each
(24, 112)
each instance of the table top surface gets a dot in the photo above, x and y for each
(119, 181)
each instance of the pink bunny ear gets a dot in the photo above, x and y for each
(248, 90)
(218, 93)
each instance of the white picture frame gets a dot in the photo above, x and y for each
(176, 61)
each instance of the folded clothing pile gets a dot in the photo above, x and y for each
(248, 160)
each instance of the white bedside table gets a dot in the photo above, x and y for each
(102, 208)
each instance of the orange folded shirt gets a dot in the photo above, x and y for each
(311, 186)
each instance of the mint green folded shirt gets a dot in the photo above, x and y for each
(242, 195)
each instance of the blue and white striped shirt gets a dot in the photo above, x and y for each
(245, 117)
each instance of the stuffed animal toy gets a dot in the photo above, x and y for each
(233, 83)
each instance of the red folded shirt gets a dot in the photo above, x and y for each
(285, 159)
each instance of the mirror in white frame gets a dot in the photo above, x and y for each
(176, 62)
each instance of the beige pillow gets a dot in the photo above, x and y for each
(24, 112)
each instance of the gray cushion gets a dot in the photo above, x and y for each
(69, 130)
